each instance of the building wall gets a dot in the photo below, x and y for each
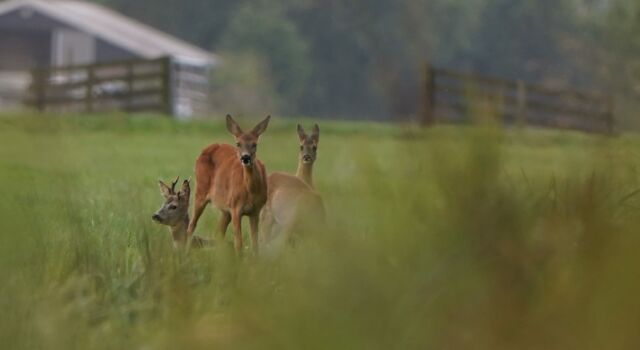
(20, 19)
(106, 52)
(29, 40)
(72, 47)
(26, 40)
(26, 49)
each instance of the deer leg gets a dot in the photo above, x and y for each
(236, 220)
(198, 208)
(223, 223)
(253, 226)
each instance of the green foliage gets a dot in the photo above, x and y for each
(260, 28)
(619, 30)
(527, 35)
(455, 237)
(243, 84)
(201, 22)
(365, 58)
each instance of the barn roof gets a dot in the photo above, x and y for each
(115, 29)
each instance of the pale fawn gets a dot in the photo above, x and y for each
(235, 181)
(293, 205)
(174, 213)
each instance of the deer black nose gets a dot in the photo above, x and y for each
(245, 159)
(155, 217)
(306, 158)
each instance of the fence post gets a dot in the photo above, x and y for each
(38, 82)
(428, 103)
(521, 96)
(129, 103)
(89, 90)
(167, 85)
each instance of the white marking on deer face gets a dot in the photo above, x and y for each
(247, 147)
(247, 143)
(309, 144)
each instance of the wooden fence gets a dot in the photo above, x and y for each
(132, 85)
(452, 96)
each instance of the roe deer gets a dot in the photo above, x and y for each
(292, 203)
(234, 180)
(308, 153)
(174, 213)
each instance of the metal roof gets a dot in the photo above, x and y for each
(115, 29)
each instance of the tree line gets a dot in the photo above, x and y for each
(365, 58)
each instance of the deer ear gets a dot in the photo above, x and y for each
(164, 189)
(315, 133)
(301, 134)
(233, 127)
(261, 127)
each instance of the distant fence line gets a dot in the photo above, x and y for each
(452, 96)
(160, 85)
(157, 85)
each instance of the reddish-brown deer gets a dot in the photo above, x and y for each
(293, 205)
(234, 180)
(174, 213)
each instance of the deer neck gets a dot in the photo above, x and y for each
(179, 231)
(250, 177)
(305, 172)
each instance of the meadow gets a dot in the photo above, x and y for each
(454, 237)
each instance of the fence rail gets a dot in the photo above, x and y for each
(452, 96)
(131, 85)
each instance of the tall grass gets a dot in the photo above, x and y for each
(451, 238)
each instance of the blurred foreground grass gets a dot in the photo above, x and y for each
(451, 238)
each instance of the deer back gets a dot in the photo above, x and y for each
(291, 199)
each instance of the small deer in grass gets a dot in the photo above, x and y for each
(293, 204)
(234, 180)
(174, 213)
(308, 153)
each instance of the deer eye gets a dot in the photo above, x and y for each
(315, 148)
(173, 207)
(301, 147)
(237, 144)
(254, 146)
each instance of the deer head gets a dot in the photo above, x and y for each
(247, 143)
(175, 208)
(308, 144)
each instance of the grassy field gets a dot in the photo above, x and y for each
(450, 238)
